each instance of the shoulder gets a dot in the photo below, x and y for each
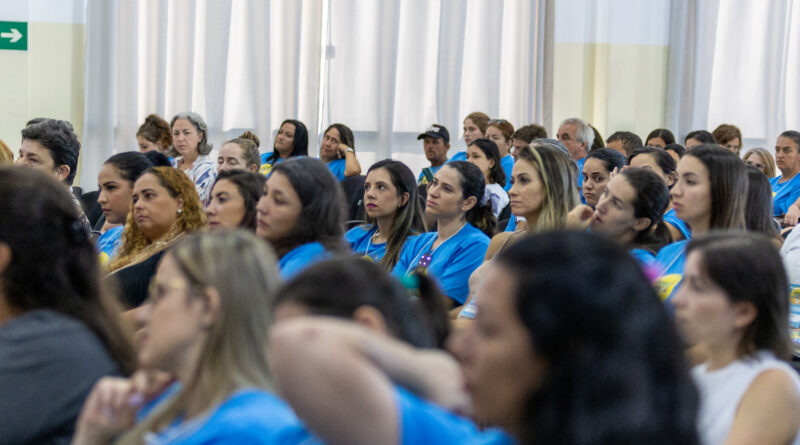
(42, 338)
(473, 234)
(671, 250)
(248, 416)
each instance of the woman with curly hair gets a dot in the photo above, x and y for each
(165, 205)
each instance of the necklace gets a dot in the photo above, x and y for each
(369, 243)
(426, 258)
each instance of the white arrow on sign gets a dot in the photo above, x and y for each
(14, 35)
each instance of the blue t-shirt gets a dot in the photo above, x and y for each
(360, 240)
(645, 257)
(424, 422)
(301, 257)
(460, 156)
(672, 218)
(337, 168)
(421, 179)
(252, 416)
(108, 243)
(670, 260)
(266, 167)
(784, 194)
(507, 162)
(580, 178)
(450, 264)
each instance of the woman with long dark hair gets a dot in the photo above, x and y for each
(290, 141)
(710, 194)
(301, 214)
(393, 213)
(59, 331)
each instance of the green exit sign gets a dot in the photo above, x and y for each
(14, 36)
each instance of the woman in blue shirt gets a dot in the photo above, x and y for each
(393, 213)
(339, 152)
(464, 218)
(301, 213)
(709, 194)
(290, 141)
(786, 187)
(115, 185)
(206, 326)
(558, 301)
(664, 165)
(630, 212)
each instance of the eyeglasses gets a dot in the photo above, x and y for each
(157, 290)
(498, 121)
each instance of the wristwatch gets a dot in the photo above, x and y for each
(350, 149)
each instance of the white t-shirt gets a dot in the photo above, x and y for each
(721, 391)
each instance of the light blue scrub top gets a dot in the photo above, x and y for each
(451, 263)
(672, 218)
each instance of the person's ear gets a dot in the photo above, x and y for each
(403, 199)
(62, 171)
(211, 306)
(180, 204)
(469, 203)
(252, 168)
(5, 257)
(671, 178)
(370, 318)
(641, 223)
(745, 314)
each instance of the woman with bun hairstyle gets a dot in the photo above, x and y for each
(338, 150)
(240, 154)
(290, 141)
(393, 213)
(154, 135)
(475, 125)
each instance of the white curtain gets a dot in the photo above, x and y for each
(735, 62)
(396, 66)
(389, 68)
(242, 64)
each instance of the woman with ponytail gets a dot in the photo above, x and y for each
(393, 213)
(630, 211)
(464, 220)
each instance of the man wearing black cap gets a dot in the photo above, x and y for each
(436, 142)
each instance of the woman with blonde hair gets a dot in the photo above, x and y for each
(164, 206)
(205, 323)
(762, 160)
(6, 155)
(542, 191)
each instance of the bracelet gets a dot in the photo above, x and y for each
(351, 149)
